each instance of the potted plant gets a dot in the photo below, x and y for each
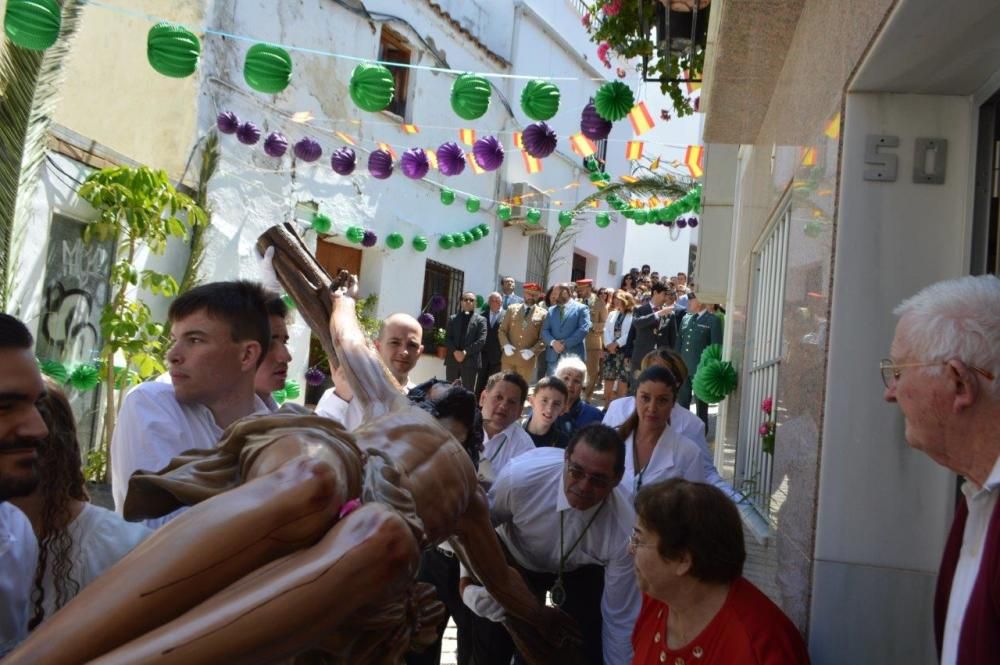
(438, 337)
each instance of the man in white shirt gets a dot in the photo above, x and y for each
(273, 371)
(399, 346)
(943, 371)
(21, 431)
(220, 334)
(564, 519)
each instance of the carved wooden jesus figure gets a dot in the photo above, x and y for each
(276, 557)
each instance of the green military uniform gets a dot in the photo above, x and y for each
(522, 328)
(697, 332)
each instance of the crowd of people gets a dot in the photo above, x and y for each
(612, 511)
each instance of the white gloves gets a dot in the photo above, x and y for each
(508, 349)
(269, 278)
(527, 354)
(479, 600)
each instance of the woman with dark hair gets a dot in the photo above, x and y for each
(455, 408)
(615, 369)
(77, 540)
(653, 451)
(697, 607)
(628, 284)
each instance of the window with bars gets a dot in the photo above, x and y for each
(538, 257)
(444, 281)
(764, 351)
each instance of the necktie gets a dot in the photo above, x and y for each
(562, 312)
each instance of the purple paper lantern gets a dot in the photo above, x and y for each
(414, 163)
(344, 160)
(275, 144)
(227, 122)
(437, 303)
(315, 376)
(426, 320)
(451, 158)
(681, 223)
(380, 165)
(593, 126)
(308, 150)
(370, 238)
(488, 153)
(693, 223)
(539, 140)
(248, 134)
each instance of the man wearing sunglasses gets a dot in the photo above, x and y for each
(942, 372)
(565, 521)
(465, 339)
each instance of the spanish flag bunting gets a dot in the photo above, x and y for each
(629, 179)
(582, 145)
(410, 129)
(467, 136)
(809, 157)
(345, 138)
(470, 158)
(557, 203)
(531, 164)
(387, 148)
(641, 121)
(633, 150)
(691, 85)
(572, 185)
(518, 141)
(635, 203)
(832, 128)
(594, 204)
(654, 202)
(692, 159)
(432, 158)
(517, 200)
(655, 164)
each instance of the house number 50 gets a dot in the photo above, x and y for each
(930, 155)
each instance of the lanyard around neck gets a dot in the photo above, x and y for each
(563, 556)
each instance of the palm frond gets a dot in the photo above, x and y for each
(29, 85)
(209, 163)
(662, 186)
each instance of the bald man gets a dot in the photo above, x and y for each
(399, 348)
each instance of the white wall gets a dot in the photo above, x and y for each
(884, 509)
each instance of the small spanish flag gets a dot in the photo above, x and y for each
(345, 138)
(655, 164)
(633, 150)
(692, 159)
(473, 164)
(531, 164)
(832, 128)
(629, 179)
(467, 136)
(641, 121)
(593, 204)
(432, 158)
(410, 129)
(809, 157)
(518, 141)
(582, 145)
(654, 202)
(690, 84)
(387, 148)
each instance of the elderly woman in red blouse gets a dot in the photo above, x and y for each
(697, 608)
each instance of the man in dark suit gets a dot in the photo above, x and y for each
(508, 297)
(648, 323)
(492, 352)
(699, 329)
(465, 336)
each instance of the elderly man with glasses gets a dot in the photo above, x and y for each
(942, 372)
(565, 521)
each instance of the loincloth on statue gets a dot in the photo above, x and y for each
(200, 474)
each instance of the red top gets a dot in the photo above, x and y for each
(749, 630)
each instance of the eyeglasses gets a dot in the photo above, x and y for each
(468, 300)
(634, 543)
(577, 473)
(891, 372)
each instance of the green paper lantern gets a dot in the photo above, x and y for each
(420, 243)
(596, 176)
(714, 380)
(813, 228)
(479, 301)
(321, 223)
(446, 242)
(355, 234)
(503, 212)
(613, 101)
(278, 396)
(711, 352)
(540, 100)
(394, 240)
(55, 370)
(641, 217)
(447, 197)
(485, 228)
(472, 204)
(458, 239)
(603, 220)
(32, 24)
(172, 50)
(534, 215)
(477, 233)
(84, 377)
(287, 299)
(565, 218)
(592, 164)
(467, 238)
(267, 68)
(470, 96)
(629, 213)
(372, 87)
(292, 389)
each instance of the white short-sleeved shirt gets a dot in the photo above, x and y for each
(501, 449)
(526, 503)
(674, 456)
(100, 538)
(349, 414)
(152, 429)
(18, 559)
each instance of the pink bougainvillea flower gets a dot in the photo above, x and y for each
(612, 8)
(764, 430)
(602, 51)
(767, 405)
(586, 20)
(621, 72)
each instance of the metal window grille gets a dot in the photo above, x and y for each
(443, 280)
(764, 351)
(538, 246)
